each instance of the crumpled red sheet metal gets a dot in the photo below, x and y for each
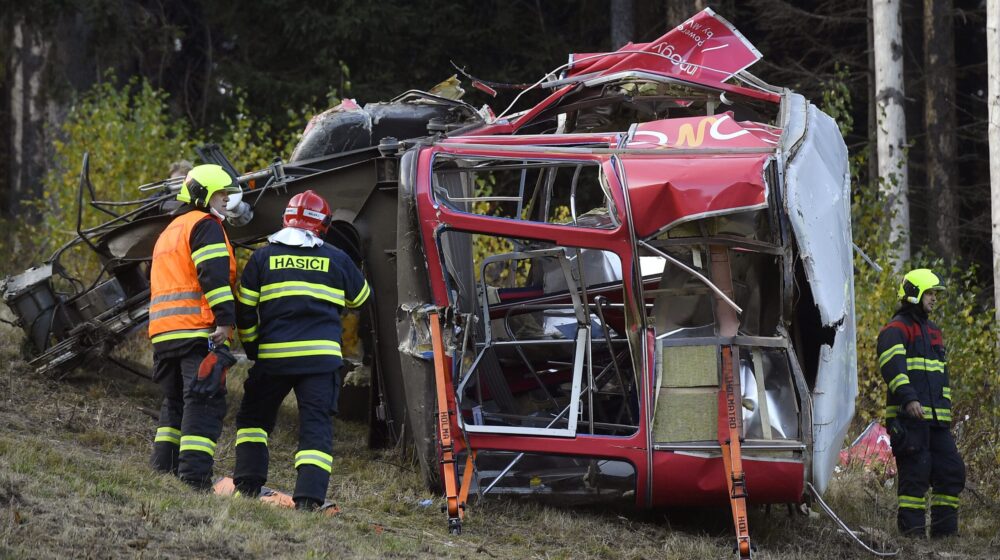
(706, 46)
(668, 191)
(871, 450)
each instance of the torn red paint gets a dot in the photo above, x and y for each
(706, 47)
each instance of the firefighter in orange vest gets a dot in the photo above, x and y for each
(191, 307)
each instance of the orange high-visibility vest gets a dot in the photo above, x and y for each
(177, 305)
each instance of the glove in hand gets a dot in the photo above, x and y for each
(211, 380)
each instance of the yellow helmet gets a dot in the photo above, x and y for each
(916, 282)
(202, 182)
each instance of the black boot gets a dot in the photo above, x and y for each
(944, 521)
(199, 484)
(307, 504)
(248, 491)
(164, 458)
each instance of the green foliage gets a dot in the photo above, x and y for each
(484, 246)
(132, 139)
(971, 341)
(969, 328)
(837, 99)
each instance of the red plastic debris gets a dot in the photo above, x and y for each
(871, 450)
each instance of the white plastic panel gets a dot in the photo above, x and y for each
(817, 199)
(833, 402)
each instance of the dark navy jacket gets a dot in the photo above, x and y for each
(289, 306)
(911, 358)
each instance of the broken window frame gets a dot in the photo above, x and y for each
(584, 383)
(544, 181)
(752, 344)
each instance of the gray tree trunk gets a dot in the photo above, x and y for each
(29, 55)
(622, 22)
(993, 102)
(872, 111)
(939, 116)
(889, 96)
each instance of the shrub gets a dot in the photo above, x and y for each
(132, 138)
(970, 331)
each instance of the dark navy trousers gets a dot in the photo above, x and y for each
(189, 425)
(926, 458)
(316, 395)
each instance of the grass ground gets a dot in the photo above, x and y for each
(74, 483)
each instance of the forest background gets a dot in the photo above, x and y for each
(139, 83)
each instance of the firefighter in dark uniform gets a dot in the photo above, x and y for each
(912, 360)
(191, 303)
(291, 295)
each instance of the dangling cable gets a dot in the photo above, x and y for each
(826, 509)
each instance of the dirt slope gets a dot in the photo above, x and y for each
(74, 483)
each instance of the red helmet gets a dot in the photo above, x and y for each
(308, 211)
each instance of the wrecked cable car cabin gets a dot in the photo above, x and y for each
(637, 290)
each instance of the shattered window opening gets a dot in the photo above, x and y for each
(755, 264)
(616, 104)
(685, 318)
(559, 192)
(538, 351)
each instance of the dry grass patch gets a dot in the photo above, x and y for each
(74, 482)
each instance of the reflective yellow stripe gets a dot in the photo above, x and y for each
(362, 296)
(213, 251)
(198, 443)
(170, 311)
(219, 295)
(896, 350)
(901, 379)
(944, 500)
(298, 348)
(912, 502)
(296, 288)
(943, 414)
(946, 393)
(249, 334)
(314, 457)
(923, 364)
(174, 335)
(248, 296)
(251, 435)
(168, 434)
(196, 296)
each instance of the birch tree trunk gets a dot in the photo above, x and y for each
(622, 22)
(939, 116)
(28, 109)
(993, 102)
(889, 97)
